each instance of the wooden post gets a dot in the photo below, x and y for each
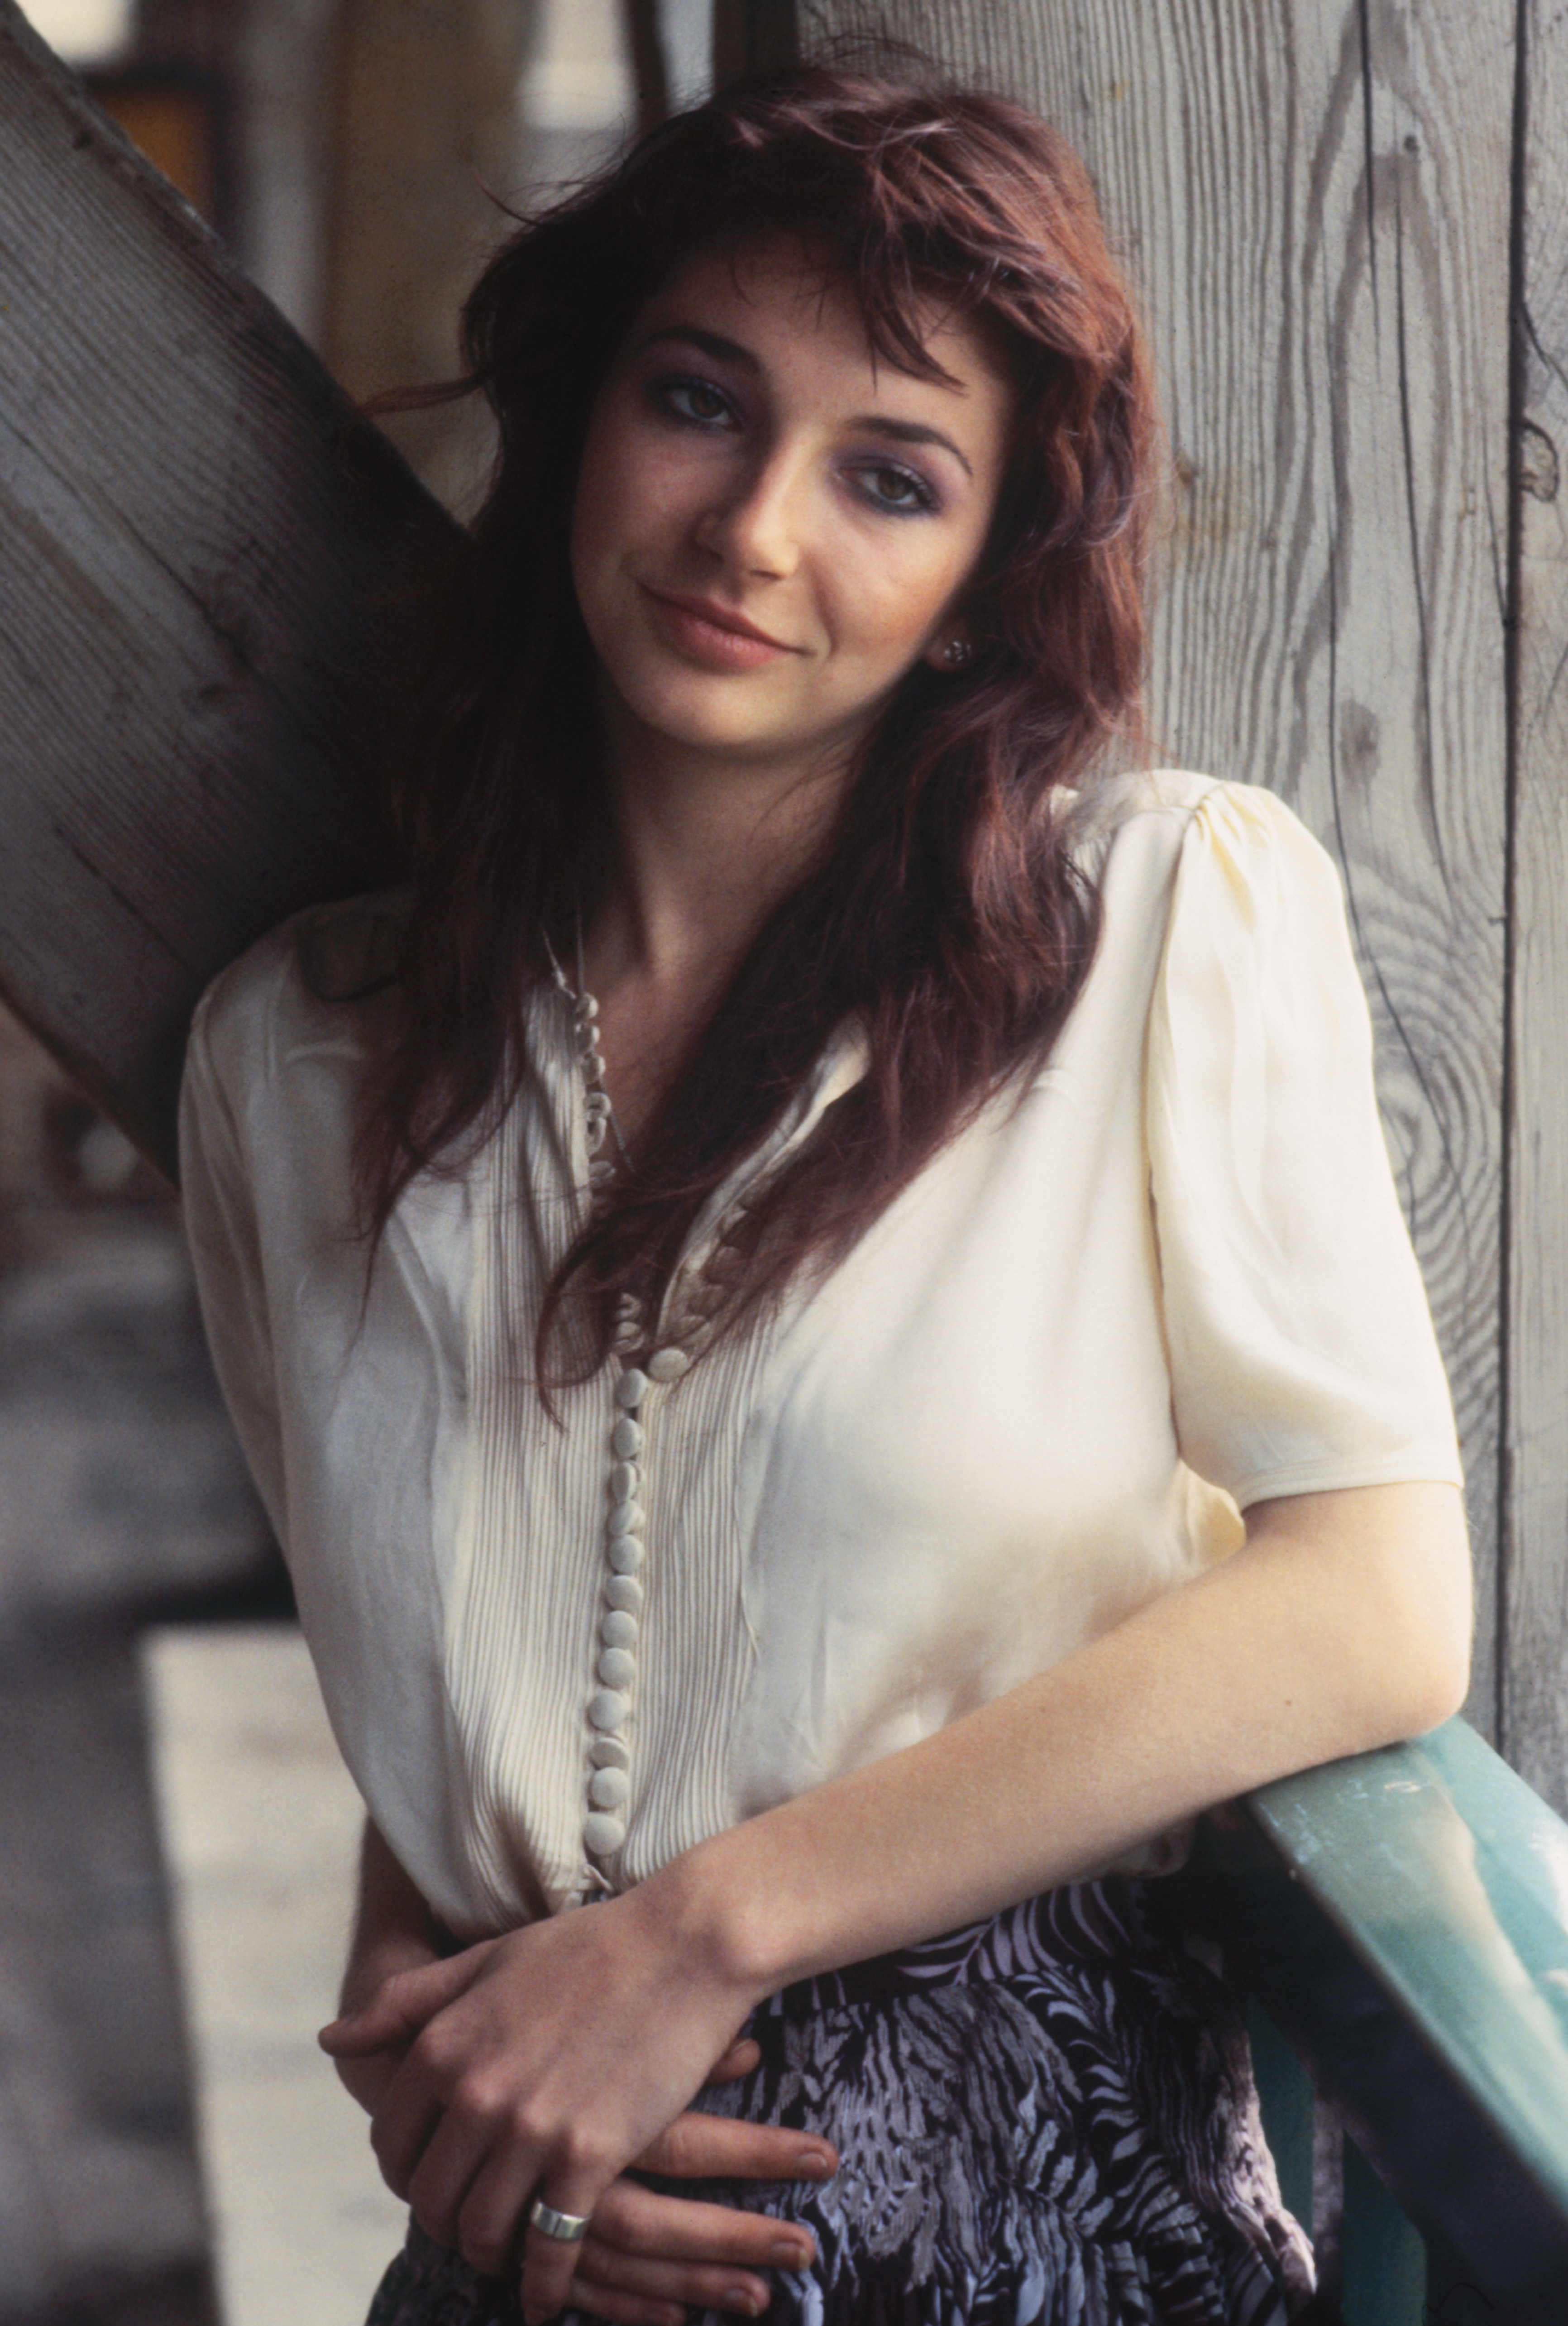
(751, 34)
(650, 71)
(193, 526)
(423, 148)
(1315, 196)
(1536, 1574)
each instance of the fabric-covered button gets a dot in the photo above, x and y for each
(624, 1481)
(627, 1436)
(667, 1365)
(608, 1753)
(632, 1388)
(625, 1553)
(609, 1788)
(617, 1666)
(625, 1518)
(619, 1629)
(608, 1710)
(624, 1591)
(602, 1832)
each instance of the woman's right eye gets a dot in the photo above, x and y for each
(695, 401)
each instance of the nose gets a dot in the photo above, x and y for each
(754, 524)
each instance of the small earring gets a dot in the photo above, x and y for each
(955, 653)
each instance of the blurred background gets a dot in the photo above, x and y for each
(175, 1835)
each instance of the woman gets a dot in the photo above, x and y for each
(852, 1204)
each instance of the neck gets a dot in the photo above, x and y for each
(703, 852)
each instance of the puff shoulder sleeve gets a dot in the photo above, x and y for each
(1301, 1351)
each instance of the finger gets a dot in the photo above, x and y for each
(739, 2061)
(705, 2285)
(487, 2230)
(402, 2005)
(400, 2130)
(459, 2160)
(644, 2225)
(623, 2309)
(697, 2147)
(550, 2263)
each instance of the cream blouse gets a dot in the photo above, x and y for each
(1170, 1281)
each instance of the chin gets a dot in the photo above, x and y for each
(712, 721)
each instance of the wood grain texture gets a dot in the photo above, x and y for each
(1535, 1585)
(1313, 196)
(193, 524)
(748, 35)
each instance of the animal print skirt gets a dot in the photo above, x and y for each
(1046, 2119)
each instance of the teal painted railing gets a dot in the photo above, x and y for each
(1402, 1922)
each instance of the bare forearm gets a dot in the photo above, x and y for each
(1342, 1625)
(394, 1928)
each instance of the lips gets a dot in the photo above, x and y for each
(713, 634)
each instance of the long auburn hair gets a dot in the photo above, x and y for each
(945, 908)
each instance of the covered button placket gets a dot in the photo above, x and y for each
(596, 1098)
(612, 1702)
(610, 1708)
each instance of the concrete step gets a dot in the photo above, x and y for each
(260, 1827)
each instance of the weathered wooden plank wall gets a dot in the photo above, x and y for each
(1536, 1587)
(191, 524)
(1315, 196)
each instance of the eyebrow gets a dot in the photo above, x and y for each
(909, 432)
(865, 423)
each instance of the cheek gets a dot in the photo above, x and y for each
(608, 483)
(630, 496)
(585, 529)
(896, 602)
(596, 498)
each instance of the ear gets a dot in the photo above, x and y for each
(951, 648)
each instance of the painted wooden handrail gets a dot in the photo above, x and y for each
(1404, 1918)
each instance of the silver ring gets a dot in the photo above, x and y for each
(568, 2227)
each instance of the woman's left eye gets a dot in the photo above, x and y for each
(902, 491)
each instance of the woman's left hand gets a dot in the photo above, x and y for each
(544, 2061)
(649, 2254)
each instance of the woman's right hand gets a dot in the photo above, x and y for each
(648, 2254)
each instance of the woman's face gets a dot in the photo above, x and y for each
(770, 527)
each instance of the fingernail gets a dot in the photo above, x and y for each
(791, 2253)
(814, 2163)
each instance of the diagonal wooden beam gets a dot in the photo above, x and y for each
(195, 526)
